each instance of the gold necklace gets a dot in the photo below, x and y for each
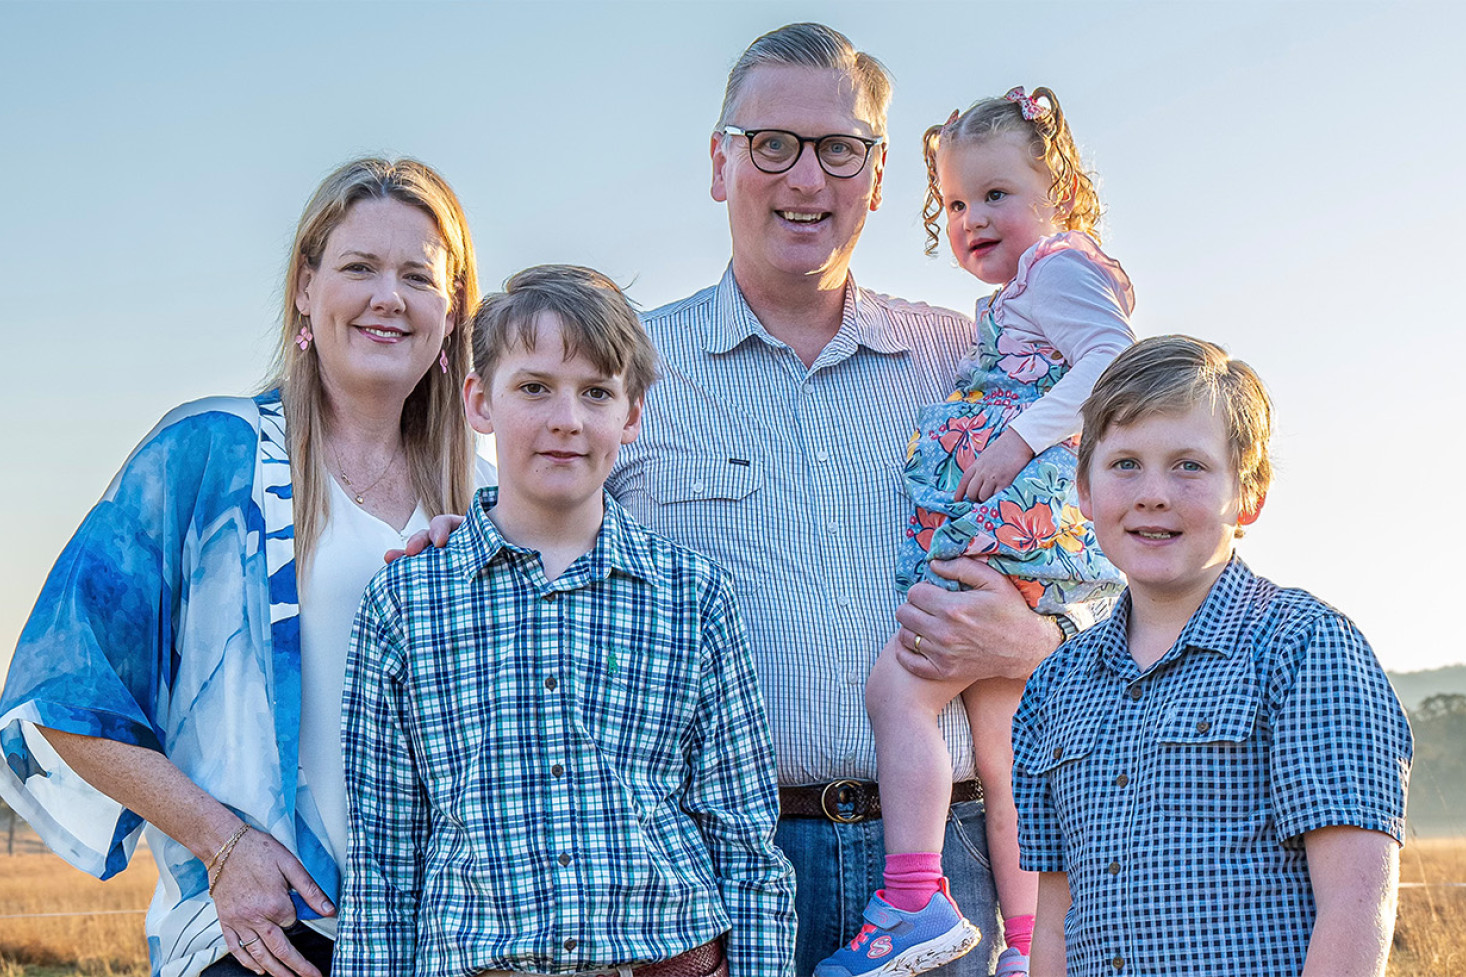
(360, 494)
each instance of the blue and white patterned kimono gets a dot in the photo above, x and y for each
(170, 622)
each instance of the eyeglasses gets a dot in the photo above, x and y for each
(777, 150)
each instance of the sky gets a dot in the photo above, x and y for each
(1280, 178)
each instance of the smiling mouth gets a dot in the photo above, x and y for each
(799, 217)
(382, 333)
(983, 247)
(1157, 534)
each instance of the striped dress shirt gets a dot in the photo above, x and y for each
(790, 478)
(556, 776)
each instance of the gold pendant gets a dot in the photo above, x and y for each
(360, 500)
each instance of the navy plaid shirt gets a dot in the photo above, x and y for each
(1176, 799)
(557, 776)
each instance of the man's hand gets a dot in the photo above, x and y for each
(995, 468)
(437, 534)
(985, 631)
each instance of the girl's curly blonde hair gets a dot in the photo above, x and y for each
(1071, 189)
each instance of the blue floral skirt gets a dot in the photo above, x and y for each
(1033, 530)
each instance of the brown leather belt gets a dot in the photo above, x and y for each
(851, 801)
(701, 961)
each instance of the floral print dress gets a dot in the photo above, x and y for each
(1033, 530)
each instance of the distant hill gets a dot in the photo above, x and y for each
(1415, 687)
(1436, 700)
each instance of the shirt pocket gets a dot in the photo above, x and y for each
(711, 503)
(1211, 760)
(1064, 756)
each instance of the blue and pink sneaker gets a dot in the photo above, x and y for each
(1011, 963)
(901, 944)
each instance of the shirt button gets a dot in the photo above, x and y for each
(832, 527)
(557, 770)
(551, 595)
(843, 600)
(1122, 780)
(698, 487)
(1058, 753)
(570, 944)
(565, 860)
(550, 683)
(1113, 868)
(1203, 726)
(822, 456)
(1134, 694)
(1118, 963)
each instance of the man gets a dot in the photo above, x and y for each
(774, 444)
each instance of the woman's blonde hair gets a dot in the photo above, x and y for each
(436, 438)
(1071, 189)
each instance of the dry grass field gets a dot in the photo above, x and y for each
(108, 943)
(1430, 938)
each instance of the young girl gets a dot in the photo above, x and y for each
(991, 474)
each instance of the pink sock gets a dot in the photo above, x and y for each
(1018, 933)
(911, 879)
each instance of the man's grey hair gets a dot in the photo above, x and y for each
(814, 46)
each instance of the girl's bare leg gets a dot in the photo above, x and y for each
(990, 705)
(912, 762)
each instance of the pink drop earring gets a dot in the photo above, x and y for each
(443, 359)
(304, 337)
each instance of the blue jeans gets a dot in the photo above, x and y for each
(839, 866)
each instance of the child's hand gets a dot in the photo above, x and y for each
(995, 469)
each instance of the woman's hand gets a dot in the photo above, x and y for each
(995, 468)
(252, 897)
(252, 887)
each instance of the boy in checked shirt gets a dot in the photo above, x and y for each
(555, 743)
(1213, 781)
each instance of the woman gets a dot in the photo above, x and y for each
(183, 664)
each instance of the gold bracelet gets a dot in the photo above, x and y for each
(216, 864)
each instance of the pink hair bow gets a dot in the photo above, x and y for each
(1030, 106)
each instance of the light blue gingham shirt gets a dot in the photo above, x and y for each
(790, 478)
(1177, 798)
(551, 777)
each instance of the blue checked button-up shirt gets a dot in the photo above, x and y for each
(556, 776)
(1177, 799)
(790, 478)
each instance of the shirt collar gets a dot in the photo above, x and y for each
(1216, 626)
(618, 546)
(863, 322)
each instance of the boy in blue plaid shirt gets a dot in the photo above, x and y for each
(1213, 781)
(555, 744)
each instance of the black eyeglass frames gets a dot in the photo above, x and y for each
(777, 150)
